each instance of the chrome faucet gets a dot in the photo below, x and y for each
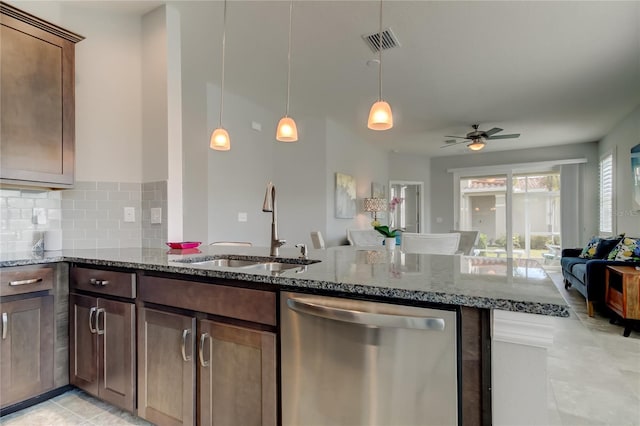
(269, 205)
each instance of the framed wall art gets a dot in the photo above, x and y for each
(345, 196)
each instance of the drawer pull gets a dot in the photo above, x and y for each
(98, 283)
(24, 282)
(92, 312)
(203, 338)
(100, 311)
(4, 325)
(183, 347)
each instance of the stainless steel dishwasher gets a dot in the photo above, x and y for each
(349, 363)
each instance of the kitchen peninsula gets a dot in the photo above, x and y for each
(515, 295)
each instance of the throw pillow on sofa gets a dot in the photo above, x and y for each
(599, 247)
(627, 250)
(606, 245)
(589, 251)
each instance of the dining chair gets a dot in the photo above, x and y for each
(317, 240)
(430, 243)
(468, 241)
(364, 237)
(231, 243)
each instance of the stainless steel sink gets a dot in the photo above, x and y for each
(275, 266)
(256, 264)
(231, 263)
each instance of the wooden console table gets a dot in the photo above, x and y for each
(622, 294)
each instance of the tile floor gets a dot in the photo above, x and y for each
(593, 379)
(593, 371)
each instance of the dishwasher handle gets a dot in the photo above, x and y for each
(368, 319)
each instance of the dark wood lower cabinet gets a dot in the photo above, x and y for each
(166, 367)
(26, 348)
(102, 346)
(236, 375)
(236, 372)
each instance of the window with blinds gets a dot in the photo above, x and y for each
(606, 194)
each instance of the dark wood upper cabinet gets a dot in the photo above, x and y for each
(37, 101)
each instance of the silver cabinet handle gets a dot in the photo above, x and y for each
(5, 325)
(100, 311)
(96, 282)
(203, 338)
(92, 312)
(24, 282)
(104, 282)
(185, 333)
(366, 318)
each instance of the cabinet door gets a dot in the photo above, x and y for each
(37, 124)
(26, 348)
(166, 367)
(237, 375)
(115, 323)
(83, 343)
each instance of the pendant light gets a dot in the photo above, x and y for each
(220, 137)
(287, 130)
(380, 116)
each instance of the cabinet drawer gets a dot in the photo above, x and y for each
(113, 283)
(233, 302)
(25, 279)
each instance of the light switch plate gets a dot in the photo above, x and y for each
(156, 215)
(242, 216)
(129, 214)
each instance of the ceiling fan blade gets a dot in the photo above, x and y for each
(493, 131)
(457, 137)
(515, 135)
(452, 143)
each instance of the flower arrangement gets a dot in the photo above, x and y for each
(394, 202)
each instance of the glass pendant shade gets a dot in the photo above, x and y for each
(220, 140)
(380, 116)
(476, 145)
(287, 130)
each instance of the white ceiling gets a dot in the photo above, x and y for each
(555, 72)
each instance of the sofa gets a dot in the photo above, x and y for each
(587, 275)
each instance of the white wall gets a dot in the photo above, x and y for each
(442, 185)
(154, 96)
(621, 138)
(108, 95)
(350, 154)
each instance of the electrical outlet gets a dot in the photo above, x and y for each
(129, 214)
(156, 215)
(242, 216)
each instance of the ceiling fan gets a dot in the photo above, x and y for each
(478, 138)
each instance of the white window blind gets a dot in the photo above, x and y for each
(606, 193)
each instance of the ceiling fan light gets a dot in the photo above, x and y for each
(476, 145)
(287, 130)
(380, 116)
(220, 140)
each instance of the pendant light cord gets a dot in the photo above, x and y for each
(380, 56)
(224, 36)
(289, 58)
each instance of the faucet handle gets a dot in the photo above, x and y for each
(303, 250)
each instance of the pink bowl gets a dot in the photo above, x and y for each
(184, 244)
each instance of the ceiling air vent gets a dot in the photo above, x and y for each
(389, 40)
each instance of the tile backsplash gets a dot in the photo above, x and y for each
(91, 215)
(19, 227)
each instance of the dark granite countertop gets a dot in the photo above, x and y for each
(518, 285)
